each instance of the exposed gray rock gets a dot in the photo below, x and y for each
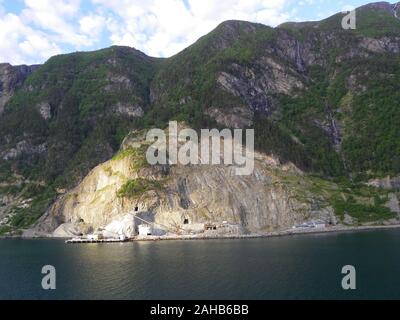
(117, 83)
(235, 117)
(386, 183)
(290, 49)
(393, 203)
(256, 85)
(44, 110)
(185, 100)
(229, 31)
(11, 79)
(326, 214)
(382, 45)
(24, 147)
(129, 110)
(124, 225)
(349, 220)
(354, 85)
(201, 194)
(332, 126)
(67, 230)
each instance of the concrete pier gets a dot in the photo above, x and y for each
(77, 241)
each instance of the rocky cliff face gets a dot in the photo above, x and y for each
(11, 79)
(387, 183)
(124, 192)
(184, 199)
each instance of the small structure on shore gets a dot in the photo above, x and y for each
(145, 230)
(319, 225)
(87, 240)
(210, 226)
(310, 225)
(95, 237)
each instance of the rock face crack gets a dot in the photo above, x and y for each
(334, 129)
(336, 135)
(396, 7)
(299, 59)
(243, 216)
(183, 194)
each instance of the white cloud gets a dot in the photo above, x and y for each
(37, 45)
(92, 25)
(57, 17)
(21, 44)
(157, 27)
(163, 27)
(42, 28)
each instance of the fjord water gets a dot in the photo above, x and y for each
(297, 267)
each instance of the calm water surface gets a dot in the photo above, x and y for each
(298, 267)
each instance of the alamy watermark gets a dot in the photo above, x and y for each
(349, 280)
(49, 280)
(212, 147)
(349, 21)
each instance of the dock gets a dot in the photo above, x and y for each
(77, 241)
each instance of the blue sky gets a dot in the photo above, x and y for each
(31, 31)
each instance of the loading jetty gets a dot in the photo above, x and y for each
(79, 240)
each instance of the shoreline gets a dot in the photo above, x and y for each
(284, 233)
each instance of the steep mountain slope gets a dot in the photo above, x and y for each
(291, 82)
(11, 79)
(320, 97)
(72, 102)
(70, 115)
(169, 195)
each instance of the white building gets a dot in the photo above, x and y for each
(319, 225)
(310, 225)
(145, 230)
(94, 237)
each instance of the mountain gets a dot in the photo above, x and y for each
(320, 98)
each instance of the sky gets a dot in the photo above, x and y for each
(31, 31)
